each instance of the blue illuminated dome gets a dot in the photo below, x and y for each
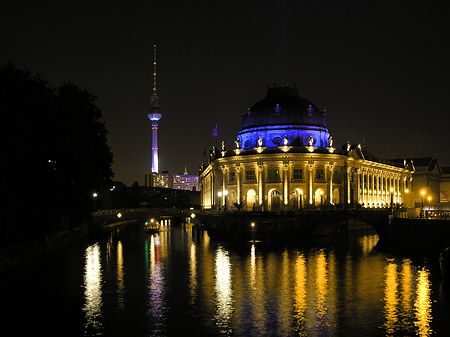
(283, 113)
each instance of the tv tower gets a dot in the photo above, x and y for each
(154, 116)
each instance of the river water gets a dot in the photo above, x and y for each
(181, 283)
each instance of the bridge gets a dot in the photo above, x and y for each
(306, 224)
(109, 218)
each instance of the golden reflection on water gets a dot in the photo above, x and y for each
(93, 287)
(321, 289)
(422, 304)
(390, 298)
(193, 272)
(368, 243)
(120, 277)
(300, 295)
(223, 290)
(401, 290)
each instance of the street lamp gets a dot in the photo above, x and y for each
(429, 200)
(392, 197)
(421, 209)
(219, 194)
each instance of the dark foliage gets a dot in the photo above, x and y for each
(54, 155)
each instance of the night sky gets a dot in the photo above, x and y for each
(379, 68)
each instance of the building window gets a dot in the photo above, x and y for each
(232, 177)
(273, 174)
(250, 175)
(320, 175)
(298, 174)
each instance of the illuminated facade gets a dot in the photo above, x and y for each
(431, 184)
(185, 182)
(168, 180)
(284, 159)
(154, 116)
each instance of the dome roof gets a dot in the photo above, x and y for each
(283, 106)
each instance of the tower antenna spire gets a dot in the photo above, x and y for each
(154, 69)
(154, 116)
(154, 99)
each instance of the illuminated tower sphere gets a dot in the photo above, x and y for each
(283, 113)
(154, 115)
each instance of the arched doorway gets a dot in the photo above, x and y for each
(336, 196)
(319, 197)
(297, 199)
(251, 199)
(274, 200)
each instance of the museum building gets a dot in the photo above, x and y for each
(284, 159)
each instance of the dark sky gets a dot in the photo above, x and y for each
(379, 68)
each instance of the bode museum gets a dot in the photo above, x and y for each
(284, 159)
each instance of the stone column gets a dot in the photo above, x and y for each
(349, 197)
(286, 183)
(310, 187)
(363, 189)
(398, 190)
(378, 189)
(260, 184)
(359, 186)
(238, 182)
(331, 168)
(224, 173)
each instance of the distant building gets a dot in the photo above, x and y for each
(431, 183)
(284, 158)
(185, 182)
(166, 179)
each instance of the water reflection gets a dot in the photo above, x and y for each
(390, 298)
(300, 295)
(120, 277)
(401, 289)
(93, 288)
(223, 290)
(156, 285)
(255, 290)
(422, 305)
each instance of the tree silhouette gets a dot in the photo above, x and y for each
(55, 154)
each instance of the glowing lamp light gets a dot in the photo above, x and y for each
(252, 224)
(429, 198)
(422, 192)
(193, 215)
(391, 190)
(95, 195)
(406, 190)
(219, 194)
(119, 215)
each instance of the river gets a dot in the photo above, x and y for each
(181, 283)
